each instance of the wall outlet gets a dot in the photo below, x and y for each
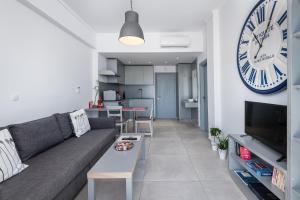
(77, 90)
(15, 97)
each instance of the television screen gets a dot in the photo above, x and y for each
(268, 124)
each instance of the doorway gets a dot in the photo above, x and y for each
(165, 87)
(203, 96)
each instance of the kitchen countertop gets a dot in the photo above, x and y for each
(138, 98)
(128, 99)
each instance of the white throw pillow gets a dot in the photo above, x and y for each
(10, 162)
(80, 122)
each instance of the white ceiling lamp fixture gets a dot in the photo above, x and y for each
(131, 33)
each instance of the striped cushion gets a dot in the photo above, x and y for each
(10, 162)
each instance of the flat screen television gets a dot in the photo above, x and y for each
(268, 124)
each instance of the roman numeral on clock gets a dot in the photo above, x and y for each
(244, 41)
(277, 71)
(284, 34)
(282, 18)
(246, 67)
(251, 26)
(261, 14)
(243, 56)
(252, 76)
(283, 52)
(263, 77)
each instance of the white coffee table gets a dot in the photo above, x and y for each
(116, 165)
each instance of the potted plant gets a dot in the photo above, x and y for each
(223, 147)
(214, 132)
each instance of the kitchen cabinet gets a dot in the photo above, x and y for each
(139, 75)
(148, 75)
(134, 75)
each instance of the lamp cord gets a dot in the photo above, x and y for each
(131, 4)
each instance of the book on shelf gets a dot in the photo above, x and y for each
(245, 176)
(237, 149)
(278, 179)
(260, 168)
(261, 192)
(245, 154)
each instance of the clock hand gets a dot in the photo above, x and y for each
(257, 52)
(260, 45)
(269, 23)
(255, 36)
(264, 37)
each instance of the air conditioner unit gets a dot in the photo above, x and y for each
(182, 41)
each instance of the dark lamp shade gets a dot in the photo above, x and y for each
(131, 33)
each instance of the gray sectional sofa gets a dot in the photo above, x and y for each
(58, 161)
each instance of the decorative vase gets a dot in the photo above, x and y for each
(214, 145)
(223, 154)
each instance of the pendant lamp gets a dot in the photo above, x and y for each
(131, 33)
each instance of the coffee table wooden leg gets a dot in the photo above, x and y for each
(128, 188)
(91, 189)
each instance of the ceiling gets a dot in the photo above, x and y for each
(153, 58)
(155, 15)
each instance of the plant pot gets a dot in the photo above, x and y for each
(214, 146)
(222, 154)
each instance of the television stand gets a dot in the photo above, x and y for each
(282, 158)
(245, 135)
(261, 151)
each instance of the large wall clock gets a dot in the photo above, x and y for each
(262, 48)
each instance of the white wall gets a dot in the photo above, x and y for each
(233, 92)
(60, 14)
(102, 65)
(42, 64)
(109, 43)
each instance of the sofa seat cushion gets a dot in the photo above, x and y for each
(50, 172)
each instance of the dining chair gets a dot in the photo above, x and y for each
(117, 113)
(145, 120)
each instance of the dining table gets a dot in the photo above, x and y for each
(132, 109)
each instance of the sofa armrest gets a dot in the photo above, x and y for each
(102, 123)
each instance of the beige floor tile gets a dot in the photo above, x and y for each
(169, 168)
(197, 147)
(222, 190)
(167, 147)
(173, 191)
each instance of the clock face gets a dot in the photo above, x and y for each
(262, 48)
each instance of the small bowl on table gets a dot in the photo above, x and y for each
(123, 146)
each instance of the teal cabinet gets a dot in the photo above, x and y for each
(139, 75)
(134, 75)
